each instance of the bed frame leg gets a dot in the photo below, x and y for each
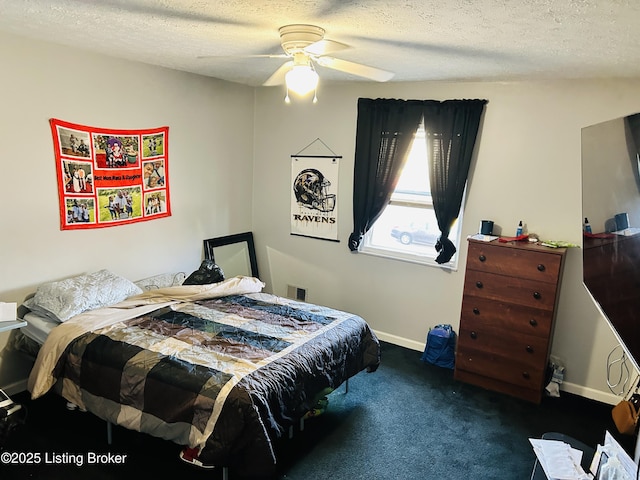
(109, 434)
(225, 473)
(346, 386)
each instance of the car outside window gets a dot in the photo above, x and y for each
(407, 229)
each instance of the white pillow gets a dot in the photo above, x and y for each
(67, 298)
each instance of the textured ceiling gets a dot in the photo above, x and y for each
(416, 39)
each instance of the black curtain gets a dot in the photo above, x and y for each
(451, 129)
(384, 133)
(633, 126)
(633, 121)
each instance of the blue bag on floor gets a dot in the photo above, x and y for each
(441, 346)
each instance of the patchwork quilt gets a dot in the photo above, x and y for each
(226, 374)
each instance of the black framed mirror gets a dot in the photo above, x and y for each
(234, 254)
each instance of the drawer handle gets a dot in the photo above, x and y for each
(482, 258)
(541, 267)
(533, 322)
(529, 349)
(473, 335)
(479, 284)
(476, 311)
(525, 375)
(537, 295)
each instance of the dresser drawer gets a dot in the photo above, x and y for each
(480, 311)
(526, 263)
(515, 290)
(528, 350)
(499, 368)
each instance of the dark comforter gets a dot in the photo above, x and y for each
(226, 374)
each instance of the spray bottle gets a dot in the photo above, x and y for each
(519, 229)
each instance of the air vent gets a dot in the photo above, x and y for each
(296, 293)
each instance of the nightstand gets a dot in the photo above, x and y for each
(8, 419)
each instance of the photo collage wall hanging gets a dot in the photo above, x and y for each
(108, 177)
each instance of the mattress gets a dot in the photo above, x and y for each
(38, 327)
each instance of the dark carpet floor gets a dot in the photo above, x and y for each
(408, 420)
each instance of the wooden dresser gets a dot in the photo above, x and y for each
(508, 309)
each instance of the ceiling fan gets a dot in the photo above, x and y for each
(306, 47)
(306, 44)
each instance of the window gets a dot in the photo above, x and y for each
(407, 229)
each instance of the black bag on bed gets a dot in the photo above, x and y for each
(441, 346)
(208, 273)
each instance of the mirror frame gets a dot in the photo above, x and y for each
(211, 243)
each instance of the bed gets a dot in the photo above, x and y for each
(223, 369)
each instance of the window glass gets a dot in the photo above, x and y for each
(408, 229)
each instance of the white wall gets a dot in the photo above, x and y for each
(527, 168)
(210, 159)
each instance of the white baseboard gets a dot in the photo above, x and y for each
(400, 341)
(604, 397)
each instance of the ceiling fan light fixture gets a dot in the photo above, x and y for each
(301, 79)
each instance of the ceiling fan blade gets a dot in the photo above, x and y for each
(358, 69)
(325, 47)
(277, 78)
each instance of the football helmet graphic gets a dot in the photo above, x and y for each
(311, 190)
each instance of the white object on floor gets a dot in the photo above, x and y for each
(553, 389)
(72, 406)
